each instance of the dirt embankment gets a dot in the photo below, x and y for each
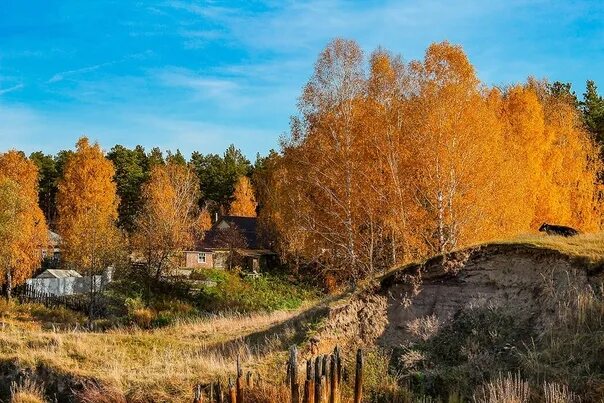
(525, 278)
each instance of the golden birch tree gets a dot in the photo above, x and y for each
(167, 222)
(87, 209)
(23, 231)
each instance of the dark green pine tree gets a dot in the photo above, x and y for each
(218, 175)
(47, 184)
(131, 171)
(592, 108)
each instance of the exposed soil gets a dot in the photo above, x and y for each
(518, 276)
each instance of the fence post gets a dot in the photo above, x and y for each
(318, 371)
(332, 379)
(198, 394)
(232, 392)
(336, 352)
(219, 393)
(326, 383)
(358, 380)
(309, 384)
(239, 381)
(324, 389)
(293, 365)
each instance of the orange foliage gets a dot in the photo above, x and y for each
(23, 231)
(244, 202)
(412, 159)
(167, 222)
(87, 209)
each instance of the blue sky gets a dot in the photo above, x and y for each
(200, 75)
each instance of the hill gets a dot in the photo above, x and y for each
(440, 328)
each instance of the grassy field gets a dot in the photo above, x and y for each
(141, 363)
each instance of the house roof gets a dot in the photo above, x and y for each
(247, 226)
(57, 273)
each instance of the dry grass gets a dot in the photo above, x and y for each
(27, 392)
(556, 393)
(139, 362)
(590, 246)
(509, 389)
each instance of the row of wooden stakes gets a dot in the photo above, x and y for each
(322, 384)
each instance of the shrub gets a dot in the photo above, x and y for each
(266, 293)
(60, 315)
(143, 317)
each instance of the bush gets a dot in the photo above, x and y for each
(142, 317)
(477, 344)
(266, 293)
(58, 315)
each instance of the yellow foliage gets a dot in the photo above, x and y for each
(23, 231)
(167, 222)
(419, 158)
(244, 202)
(87, 209)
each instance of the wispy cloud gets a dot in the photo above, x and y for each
(11, 89)
(69, 73)
(201, 86)
(65, 74)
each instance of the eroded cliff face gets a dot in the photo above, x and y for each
(526, 279)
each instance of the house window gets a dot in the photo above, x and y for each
(201, 257)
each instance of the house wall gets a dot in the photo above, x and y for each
(192, 262)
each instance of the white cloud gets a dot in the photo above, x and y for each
(11, 89)
(64, 74)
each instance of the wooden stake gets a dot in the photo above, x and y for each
(232, 392)
(219, 393)
(332, 379)
(324, 389)
(358, 380)
(250, 380)
(318, 385)
(239, 382)
(326, 382)
(309, 384)
(293, 365)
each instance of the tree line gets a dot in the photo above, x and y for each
(116, 207)
(391, 161)
(387, 161)
(217, 174)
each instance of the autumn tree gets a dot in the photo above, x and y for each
(23, 231)
(419, 158)
(167, 221)
(244, 201)
(87, 209)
